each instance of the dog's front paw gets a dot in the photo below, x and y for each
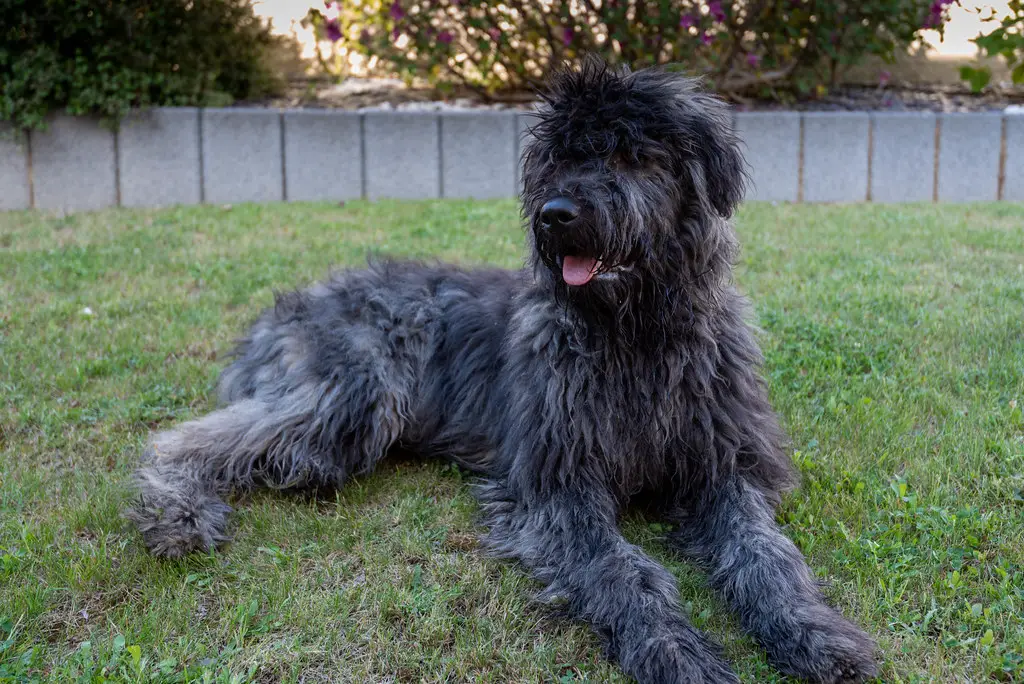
(683, 656)
(825, 648)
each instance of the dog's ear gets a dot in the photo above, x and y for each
(704, 131)
(718, 150)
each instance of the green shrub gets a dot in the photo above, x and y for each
(106, 56)
(1006, 40)
(754, 47)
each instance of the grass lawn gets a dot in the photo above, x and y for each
(895, 346)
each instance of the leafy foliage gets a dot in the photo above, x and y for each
(1006, 41)
(103, 57)
(761, 47)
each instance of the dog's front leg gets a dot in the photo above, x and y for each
(571, 542)
(765, 578)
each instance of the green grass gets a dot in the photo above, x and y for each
(895, 346)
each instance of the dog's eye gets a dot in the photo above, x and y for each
(617, 163)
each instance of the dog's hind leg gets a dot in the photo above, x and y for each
(316, 434)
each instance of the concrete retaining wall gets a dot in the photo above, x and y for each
(188, 156)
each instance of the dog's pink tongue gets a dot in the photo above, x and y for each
(577, 270)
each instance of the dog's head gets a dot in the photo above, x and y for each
(628, 178)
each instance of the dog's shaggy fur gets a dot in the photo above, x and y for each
(617, 368)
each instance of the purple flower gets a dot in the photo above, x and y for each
(883, 77)
(396, 11)
(715, 7)
(332, 30)
(687, 21)
(395, 33)
(494, 33)
(445, 37)
(753, 59)
(567, 34)
(706, 39)
(936, 13)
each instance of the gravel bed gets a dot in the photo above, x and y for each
(390, 94)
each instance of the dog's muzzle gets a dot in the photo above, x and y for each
(560, 226)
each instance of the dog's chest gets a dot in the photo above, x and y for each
(643, 410)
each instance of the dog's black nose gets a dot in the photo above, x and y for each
(558, 213)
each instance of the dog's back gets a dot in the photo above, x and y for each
(439, 326)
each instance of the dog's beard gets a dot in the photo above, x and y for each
(580, 262)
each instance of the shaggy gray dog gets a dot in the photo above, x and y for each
(616, 369)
